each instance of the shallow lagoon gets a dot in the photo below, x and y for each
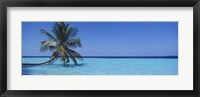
(104, 66)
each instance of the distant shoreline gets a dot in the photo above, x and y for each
(109, 56)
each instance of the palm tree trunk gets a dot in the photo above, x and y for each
(41, 62)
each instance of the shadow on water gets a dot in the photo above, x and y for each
(73, 65)
(27, 66)
(26, 72)
(67, 65)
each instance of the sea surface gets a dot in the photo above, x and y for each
(103, 66)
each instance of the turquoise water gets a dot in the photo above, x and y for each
(104, 66)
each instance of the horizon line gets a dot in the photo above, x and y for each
(117, 56)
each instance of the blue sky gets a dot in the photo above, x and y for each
(109, 38)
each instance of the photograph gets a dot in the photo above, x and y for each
(129, 48)
(99, 48)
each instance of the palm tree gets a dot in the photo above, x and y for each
(61, 43)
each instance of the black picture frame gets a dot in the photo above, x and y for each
(99, 3)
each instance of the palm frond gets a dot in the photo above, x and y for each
(72, 57)
(76, 54)
(64, 32)
(68, 27)
(48, 45)
(57, 32)
(74, 43)
(72, 32)
(48, 35)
